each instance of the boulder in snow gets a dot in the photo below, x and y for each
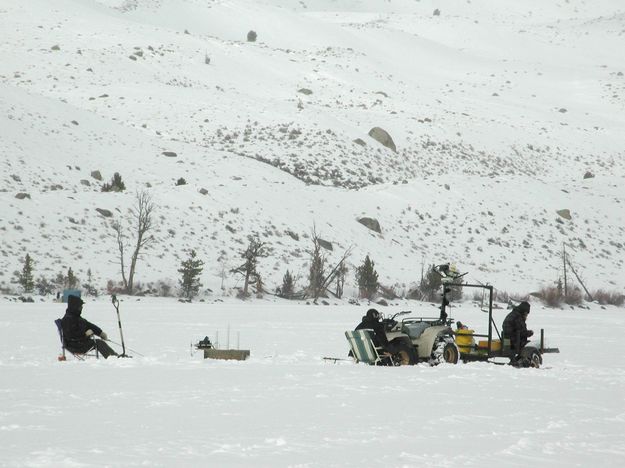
(566, 214)
(104, 212)
(325, 244)
(370, 223)
(382, 136)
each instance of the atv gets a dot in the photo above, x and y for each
(432, 338)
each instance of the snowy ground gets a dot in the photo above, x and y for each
(287, 407)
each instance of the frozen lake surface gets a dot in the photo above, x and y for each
(286, 406)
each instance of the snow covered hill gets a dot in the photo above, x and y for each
(497, 110)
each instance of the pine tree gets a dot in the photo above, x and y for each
(91, 289)
(25, 278)
(116, 184)
(60, 280)
(190, 270)
(288, 286)
(430, 285)
(72, 281)
(317, 270)
(367, 279)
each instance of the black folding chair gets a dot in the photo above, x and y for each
(80, 356)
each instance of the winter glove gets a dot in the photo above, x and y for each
(104, 336)
(530, 332)
(89, 332)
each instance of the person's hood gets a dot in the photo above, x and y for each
(74, 305)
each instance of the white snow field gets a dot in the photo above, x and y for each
(286, 407)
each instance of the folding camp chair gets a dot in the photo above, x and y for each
(364, 350)
(79, 356)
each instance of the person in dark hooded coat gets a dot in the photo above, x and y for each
(78, 332)
(515, 327)
(371, 321)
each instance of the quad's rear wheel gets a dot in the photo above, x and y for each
(451, 353)
(445, 350)
(529, 357)
(535, 360)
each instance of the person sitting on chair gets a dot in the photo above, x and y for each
(515, 327)
(371, 321)
(78, 332)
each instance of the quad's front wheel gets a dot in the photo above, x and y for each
(405, 355)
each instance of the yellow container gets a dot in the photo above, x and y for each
(495, 345)
(464, 340)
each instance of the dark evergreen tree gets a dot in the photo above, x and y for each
(288, 286)
(430, 286)
(367, 279)
(25, 278)
(191, 269)
(89, 287)
(72, 281)
(116, 184)
(317, 270)
(61, 280)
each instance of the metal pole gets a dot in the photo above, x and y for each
(566, 293)
(490, 318)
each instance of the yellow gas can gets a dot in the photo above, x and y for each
(464, 340)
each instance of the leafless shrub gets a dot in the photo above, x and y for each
(551, 296)
(574, 296)
(604, 297)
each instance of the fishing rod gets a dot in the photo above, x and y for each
(129, 349)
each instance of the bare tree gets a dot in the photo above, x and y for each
(224, 269)
(341, 272)
(141, 223)
(248, 270)
(319, 276)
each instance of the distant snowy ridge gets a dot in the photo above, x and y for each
(497, 111)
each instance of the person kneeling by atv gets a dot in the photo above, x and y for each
(515, 329)
(401, 348)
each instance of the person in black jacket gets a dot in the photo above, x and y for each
(515, 327)
(371, 321)
(78, 332)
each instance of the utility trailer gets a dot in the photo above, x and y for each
(492, 345)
